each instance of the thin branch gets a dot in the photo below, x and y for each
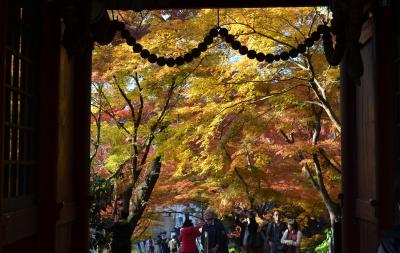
(136, 171)
(117, 173)
(310, 177)
(287, 139)
(256, 99)
(98, 124)
(322, 190)
(262, 34)
(127, 100)
(140, 112)
(119, 124)
(293, 26)
(158, 122)
(331, 162)
(112, 115)
(326, 106)
(96, 143)
(246, 186)
(312, 23)
(317, 127)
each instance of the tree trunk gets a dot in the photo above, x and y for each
(144, 192)
(142, 197)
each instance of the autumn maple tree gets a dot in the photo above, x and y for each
(230, 131)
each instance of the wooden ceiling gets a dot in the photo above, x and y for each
(138, 5)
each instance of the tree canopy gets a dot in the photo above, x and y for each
(230, 131)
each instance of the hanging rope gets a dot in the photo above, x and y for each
(217, 17)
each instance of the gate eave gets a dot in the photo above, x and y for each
(208, 4)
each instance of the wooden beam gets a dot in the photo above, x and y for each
(138, 5)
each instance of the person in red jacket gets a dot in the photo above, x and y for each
(188, 236)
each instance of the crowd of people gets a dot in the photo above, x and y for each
(274, 237)
(210, 236)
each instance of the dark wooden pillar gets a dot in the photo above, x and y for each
(2, 69)
(386, 143)
(48, 125)
(349, 151)
(396, 63)
(81, 98)
(82, 151)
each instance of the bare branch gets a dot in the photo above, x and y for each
(287, 139)
(331, 205)
(113, 116)
(262, 34)
(96, 143)
(246, 187)
(127, 100)
(117, 173)
(97, 119)
(331, 162)
(310, 177)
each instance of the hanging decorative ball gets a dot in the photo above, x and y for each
(223, 32)
(152, 58)
(236, 45)
(179, 60)
(145, 53)
(315, 36)
(125, 33)
(195, 52)
(161, 61)
(170, 62)
(118, 25)
(322, 29)
(308, 42)
(230, 38)
(202, 46)
(269, 58)
(188, 57)
(208, 40)
(130, 41)
(277, 57)
(260, 56)
(293, 53)
(243, 50)
(137, 48)
(301, 48)
(214, 32)
(333, 28)
(327, 37)
(284, 56)
(251, 54)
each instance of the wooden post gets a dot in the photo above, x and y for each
(349, 151)
(48, 128)
(3, 8)
(386, 123)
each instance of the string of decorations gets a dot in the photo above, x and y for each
(323, 31)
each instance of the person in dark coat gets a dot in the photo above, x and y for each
(250, 239)
(121, 235)
(275, 233)
(213, 234)
(264, 236)
(390, 242)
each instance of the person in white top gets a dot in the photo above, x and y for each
(292, 237)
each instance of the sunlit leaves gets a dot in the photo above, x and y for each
(228, 113)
